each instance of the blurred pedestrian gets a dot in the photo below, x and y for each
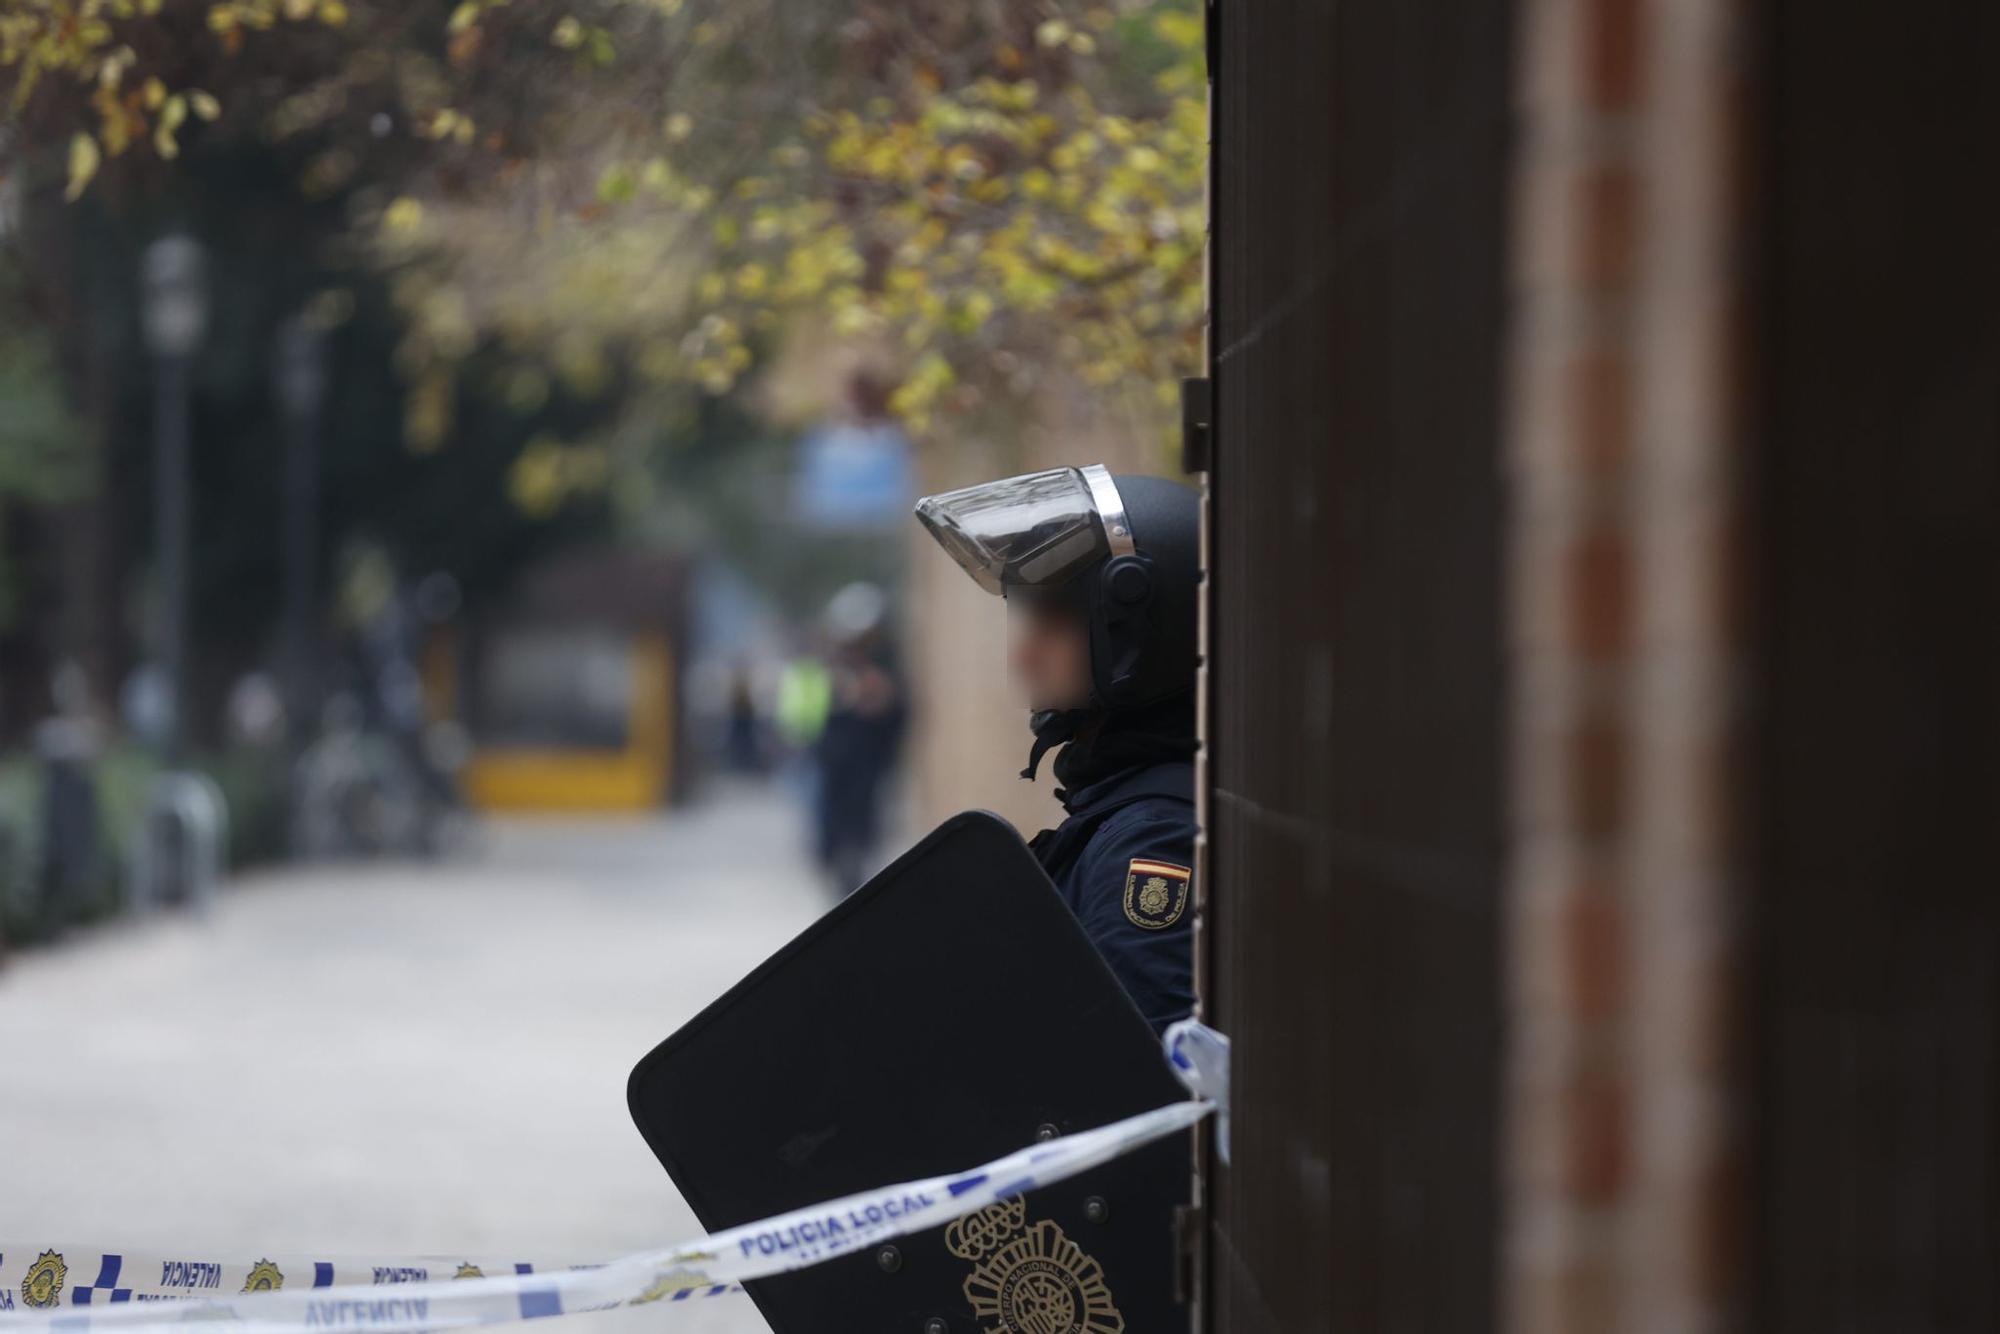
(866, 709)
(805, 693)
(70, 744)
(743, 742)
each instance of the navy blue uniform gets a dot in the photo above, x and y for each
(1122, 862)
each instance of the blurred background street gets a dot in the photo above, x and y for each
(459, 602)
(399, 1058)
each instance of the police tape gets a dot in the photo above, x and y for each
(58, 1275)
(709, 1267)
(411, 1295)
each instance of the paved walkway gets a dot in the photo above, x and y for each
(376, 1058)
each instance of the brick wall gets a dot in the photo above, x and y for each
(1626, 461)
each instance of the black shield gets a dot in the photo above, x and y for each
(948, 1012)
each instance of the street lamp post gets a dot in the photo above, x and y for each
(299, 373)
(175, 315)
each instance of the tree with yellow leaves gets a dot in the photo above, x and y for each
(996, 194)
(649, 190)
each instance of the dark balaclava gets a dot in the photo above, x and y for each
(1142, 629)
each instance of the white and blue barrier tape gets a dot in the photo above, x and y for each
(1200, 1056)
(45, 1285)
(49, 1288)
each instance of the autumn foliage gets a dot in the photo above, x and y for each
(652, 191)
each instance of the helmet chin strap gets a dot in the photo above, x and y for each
(1052, 728)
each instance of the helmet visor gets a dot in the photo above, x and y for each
(1030, 531)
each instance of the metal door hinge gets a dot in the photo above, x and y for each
(1197, 412)
(1187, 1250)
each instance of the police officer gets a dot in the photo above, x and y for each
(1100, 574)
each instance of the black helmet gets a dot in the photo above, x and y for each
(1126, 551)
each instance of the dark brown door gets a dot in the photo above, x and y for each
(1354, 817)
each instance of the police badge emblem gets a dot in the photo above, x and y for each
(1032, 1278)
(1042, 1283)
(42, 1285)
(265, 1276)
(1155, 893)
(467, 1269)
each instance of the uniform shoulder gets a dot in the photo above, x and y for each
(1155, 828)
(1152, 814)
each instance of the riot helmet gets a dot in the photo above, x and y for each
(1125, 551)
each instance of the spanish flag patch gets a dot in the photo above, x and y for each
(1155, 893)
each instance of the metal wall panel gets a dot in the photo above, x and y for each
(1878, 1165)
(1355, 636)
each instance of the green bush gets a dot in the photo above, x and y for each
(20, 853)
(254, 793)
(29, 909)
(253, 790)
